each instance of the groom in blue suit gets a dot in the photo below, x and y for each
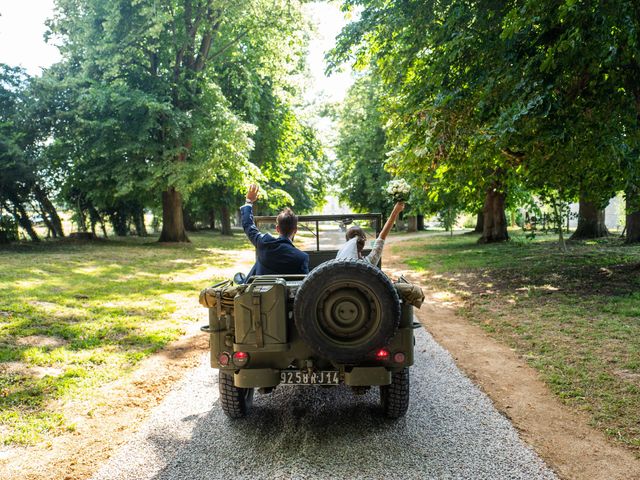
(274, 256)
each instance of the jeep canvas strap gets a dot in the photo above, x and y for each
(219, 304)
(256, 316)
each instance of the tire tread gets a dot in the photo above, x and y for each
(232, 399)
(395, 396)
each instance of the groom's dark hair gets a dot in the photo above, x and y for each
(287, 222)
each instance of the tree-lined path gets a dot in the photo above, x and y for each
(123, 162)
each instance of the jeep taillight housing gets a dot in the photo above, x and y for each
(224, 359)
(240, 359)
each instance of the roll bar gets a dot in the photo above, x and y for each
(345, 218)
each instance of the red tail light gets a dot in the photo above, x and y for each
(240, 359)
(382, 354)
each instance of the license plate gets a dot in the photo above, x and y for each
(297, 377)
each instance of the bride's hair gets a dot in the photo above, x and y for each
(356, 231)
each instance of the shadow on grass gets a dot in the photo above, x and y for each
(573, 316)
(103, 306)
(522, 265)
(198, 239)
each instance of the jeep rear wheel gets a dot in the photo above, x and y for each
(345, 310)
(235, 401)
(395, 397)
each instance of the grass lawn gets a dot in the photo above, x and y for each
(575, 317)
(76, 315)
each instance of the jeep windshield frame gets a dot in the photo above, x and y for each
(347, 218)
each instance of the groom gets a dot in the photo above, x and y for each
(274, 256)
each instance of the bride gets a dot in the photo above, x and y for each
(356, 240)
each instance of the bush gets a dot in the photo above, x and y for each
(8, 229)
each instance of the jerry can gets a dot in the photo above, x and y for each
(261, 317)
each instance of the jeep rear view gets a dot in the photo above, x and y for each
(343, 323)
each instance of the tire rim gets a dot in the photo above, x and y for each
(348, 313)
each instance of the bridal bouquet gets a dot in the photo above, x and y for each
(399, 190)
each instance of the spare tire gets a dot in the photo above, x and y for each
(345, 310)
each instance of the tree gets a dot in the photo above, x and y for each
(633, 215)
(590, 221)
(433, 59)
(499, 95)
(361, 148)
(580, 64)
(158, 60)
(24, 190)
(287, 150)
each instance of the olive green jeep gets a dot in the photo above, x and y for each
(343, 323)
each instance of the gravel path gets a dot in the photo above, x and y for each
(451, 431)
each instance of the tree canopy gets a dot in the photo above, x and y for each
(155, 102)
(486, 97)
(362, 148)
(172, 106)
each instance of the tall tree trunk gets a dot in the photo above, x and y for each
(81, 217)
(420, 222)
(495, 220)
(50, 209)
(118, 218)
(412, 224)
(212, 219)
(225, 221)
(94, 218)
(138, 221)
(590, 221)
(20, 214)
(172, 221)
(633, 227)
(479, 222)
(633, 193)
(633, 217)
(47, 221)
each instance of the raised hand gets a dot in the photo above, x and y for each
(252, 193)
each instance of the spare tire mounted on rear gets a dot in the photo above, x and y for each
(346, 309)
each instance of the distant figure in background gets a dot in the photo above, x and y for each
(274, 256)
(356, 240)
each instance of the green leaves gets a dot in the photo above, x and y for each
(540, 93)
(361, 148)
(182, 94)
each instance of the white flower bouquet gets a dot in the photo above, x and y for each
(398, 189)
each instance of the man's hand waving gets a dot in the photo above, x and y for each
(252, 193)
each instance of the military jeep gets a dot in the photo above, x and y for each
(343, 323)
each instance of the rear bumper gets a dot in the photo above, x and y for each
(364, 376)
(269, 377)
